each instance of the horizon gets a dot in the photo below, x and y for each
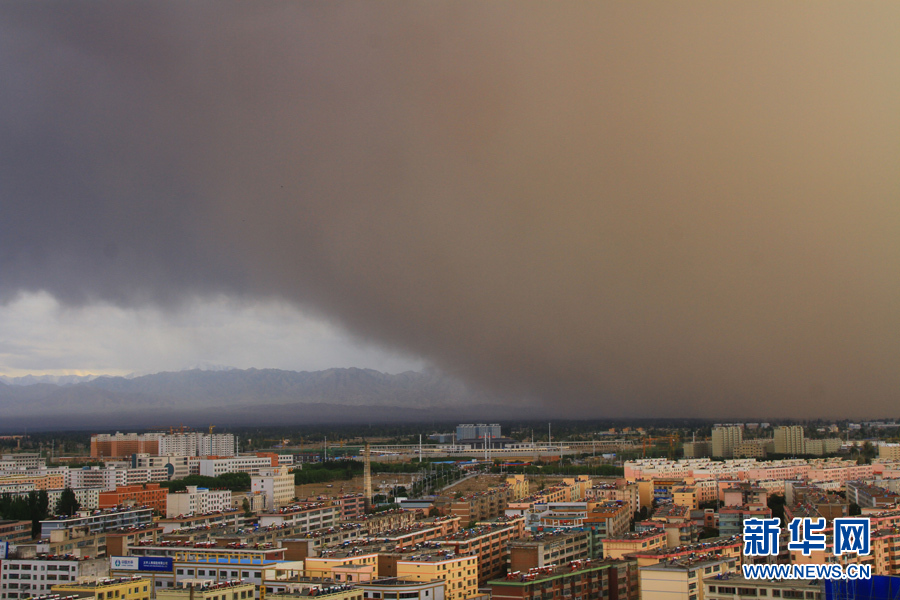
(615, 208)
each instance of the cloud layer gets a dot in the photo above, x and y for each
(654, 208)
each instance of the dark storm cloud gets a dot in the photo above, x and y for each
(669, 208)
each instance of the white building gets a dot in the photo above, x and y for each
(213, 467)
(276, 484)
(22, 461)
(197, 444)
(197, 501)
(24, 578)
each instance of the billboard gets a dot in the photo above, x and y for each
(125, 563)
(155, 563)
(4, 550)
(141, 563)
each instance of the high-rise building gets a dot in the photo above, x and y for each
(195, 443)
(789, 440)
(724, 440)
(468, 431)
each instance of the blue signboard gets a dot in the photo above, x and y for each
(155, 563)
(879, 587)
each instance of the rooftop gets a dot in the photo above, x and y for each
(553, 571)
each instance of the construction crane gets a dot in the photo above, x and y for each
(211, 427)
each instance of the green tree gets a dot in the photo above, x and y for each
(68, 504)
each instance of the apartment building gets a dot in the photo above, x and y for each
(195, 443)
(149, 494)
(213, 467)
(276, 485)
(549, 548)
(15, 531)
(310, 515)
(207, 590)
(870, 496)
(488, 542)
(681, 579)
(578, 580)
(789, 440)
(197, 501)
(724, 440)
(106, 520)
(393, 587)
(102, 588)
(619, 547)
(724, 548)
(732, 586)
(121, 445)
(483, 506)
(27, 577)
(22, 461)
(459, 573)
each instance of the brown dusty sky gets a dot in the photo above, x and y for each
(644, 208)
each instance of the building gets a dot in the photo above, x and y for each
(578, 580)
(213, 467)
(823, 446)
(303, 589)
(121, 588)
(217, 565)
(197, 501)
(724, 440)
(470, 431)
(751, 449)
(870, 496)
(121, 445)
(620, 547)
(488, 542)
(15, 531)
(718, 548)
(207, 590)
(789, 440)
(27, 577)
(22, 461)
(549, 548)
(309, 515)
(149, 494)
(353, 506)
(681, 579)
(177, 467)
(732, 586)
(697, 449)
(226, 518)
(393, 587)
(459, 573)
(195, 443)
(482, 506)
(276, 484)
(101, 521)
(888, 451)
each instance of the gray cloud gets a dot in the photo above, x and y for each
(680, 209)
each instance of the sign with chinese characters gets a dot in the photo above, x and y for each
(851, 536)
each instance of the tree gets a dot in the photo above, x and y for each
(246, 506)
(68, 504)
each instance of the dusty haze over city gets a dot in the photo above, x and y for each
(655, 208)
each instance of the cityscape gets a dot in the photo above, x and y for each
(443, 300)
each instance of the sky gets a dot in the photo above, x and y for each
(687, 208)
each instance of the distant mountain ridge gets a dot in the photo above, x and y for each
(251, 395)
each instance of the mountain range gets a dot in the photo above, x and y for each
(243, 397)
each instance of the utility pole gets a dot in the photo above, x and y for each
(420, 447)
